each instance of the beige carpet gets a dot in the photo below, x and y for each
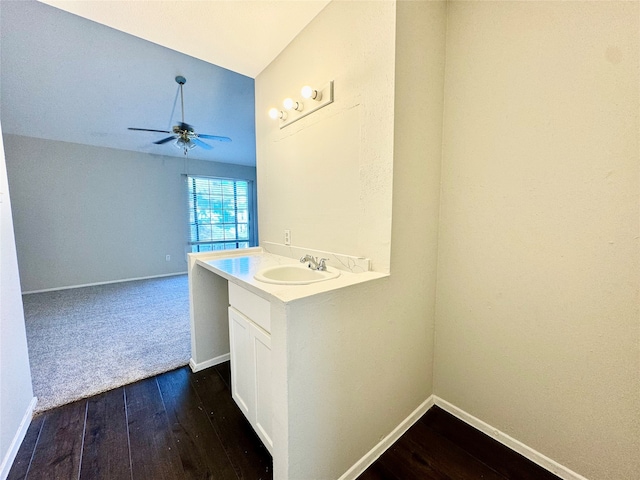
(88, 340)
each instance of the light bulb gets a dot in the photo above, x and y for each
(308, 92)
(291, 104)
(275, 114)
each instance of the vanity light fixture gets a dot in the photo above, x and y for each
(291, 104)
(309, 92)
(293, 109)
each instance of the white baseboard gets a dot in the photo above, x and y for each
(361, 465)
(196, 367)
(104, 283)
(510, 442)
(8, 459)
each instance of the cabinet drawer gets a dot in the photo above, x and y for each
(251, 305)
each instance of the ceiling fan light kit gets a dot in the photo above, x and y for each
(184, 135)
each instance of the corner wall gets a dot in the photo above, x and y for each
(418, 120)
(538, 324)
(16, 392)
(88, 214)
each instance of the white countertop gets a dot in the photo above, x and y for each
(239, 267)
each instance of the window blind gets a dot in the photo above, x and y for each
(219, 211)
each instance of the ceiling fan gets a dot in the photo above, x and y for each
(184, 135)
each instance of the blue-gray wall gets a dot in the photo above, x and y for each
(87, 214)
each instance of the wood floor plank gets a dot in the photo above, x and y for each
(105, 455)
(486, 449)
(25, 453)
(154, 455)
(377, 471)
(59, 448)
(200, 449)
(224, 370)
(422, 453)
(248, 455)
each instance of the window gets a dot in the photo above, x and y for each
(219, 214)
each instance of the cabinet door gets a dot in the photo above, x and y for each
(262, 365)
(242, 359)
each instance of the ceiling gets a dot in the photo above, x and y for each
(241, 35)
(66, 78)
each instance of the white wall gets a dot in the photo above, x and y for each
(16, 393)
(373, 366)
(537, 327)
(328, 177)
(87, 214)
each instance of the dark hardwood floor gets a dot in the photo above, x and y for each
(441, 447)
(180, 425)
(177, 425)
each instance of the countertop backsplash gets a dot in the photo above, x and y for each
(347, 263)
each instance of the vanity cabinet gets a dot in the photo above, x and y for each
(250, 345)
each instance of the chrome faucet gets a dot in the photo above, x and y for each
(314, 263)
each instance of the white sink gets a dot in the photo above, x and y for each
(295, 275)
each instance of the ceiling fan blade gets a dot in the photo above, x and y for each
(147, 130)
(164, 140)
(215, 137)
(200, 143)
